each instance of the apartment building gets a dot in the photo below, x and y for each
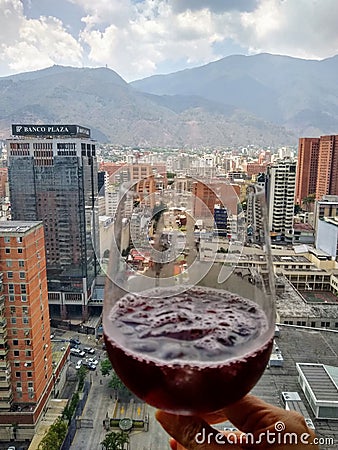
(317, 167)
(307, 167)
(280, 189)
(26, 371)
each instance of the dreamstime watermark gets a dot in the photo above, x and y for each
(277, 436)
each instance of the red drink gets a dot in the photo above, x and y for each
(190, 353)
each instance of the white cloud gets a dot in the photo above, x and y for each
(137, 37)
(301, 28)
(30, 44)
(152, 35)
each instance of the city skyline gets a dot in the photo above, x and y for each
(143, 37)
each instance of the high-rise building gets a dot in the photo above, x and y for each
(26, 374)
(317, 168)
(327, 175)
(280, 189)
(52, 173)
(307, 168)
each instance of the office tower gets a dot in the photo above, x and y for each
(307, 168)
(327, 175)
(52, 173)
(25, 348)
(281, 180)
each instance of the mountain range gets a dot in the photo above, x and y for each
(266, 100)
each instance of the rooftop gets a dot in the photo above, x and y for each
(16, 226)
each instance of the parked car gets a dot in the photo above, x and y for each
(74, 351)
(92, 361)
(89, 365)
(89, 350)
(74, 341)
(78, 364)
(77, 352)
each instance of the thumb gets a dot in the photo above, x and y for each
(192, 432)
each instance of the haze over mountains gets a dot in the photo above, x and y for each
(239, 100)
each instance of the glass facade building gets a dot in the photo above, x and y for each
(54, 179)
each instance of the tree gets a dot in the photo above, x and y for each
(116, 383)
(115, 441)
(55, 436)
(118, 386)
(307, 201)
(106, 367)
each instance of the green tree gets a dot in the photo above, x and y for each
(55, 436)
(106, 367)
(115, 441)
(307, 201)
(81, 375)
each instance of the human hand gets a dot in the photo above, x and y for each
(261, 426)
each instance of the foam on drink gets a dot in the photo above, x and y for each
(201, 324)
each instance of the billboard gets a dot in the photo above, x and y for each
(50, 130)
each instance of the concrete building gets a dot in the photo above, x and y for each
(26, 371)
(53, 178)
(326, 207)
(327, 236)
(280, 189)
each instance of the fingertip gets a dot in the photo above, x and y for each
(173, 444)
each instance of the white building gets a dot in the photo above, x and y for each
(327, 236)
(281, 183)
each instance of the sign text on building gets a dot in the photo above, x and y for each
(50, 130)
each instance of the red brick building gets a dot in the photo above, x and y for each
(26, 374)
(317, 167)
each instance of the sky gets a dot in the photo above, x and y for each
(139, 38)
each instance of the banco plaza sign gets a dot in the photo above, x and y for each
(50, 130)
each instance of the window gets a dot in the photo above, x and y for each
(313, 324)
(9, 262)
(19, 239)
(11, 297)
(21, 263)
(27, 342)
(16, 363)
(325, 324)
(13, 320)
(16, 353)
(28, 353)
(23, 289)
(9, 274)
(15, 342)
(7, 239)
(29, 374)
(19, 250)
(12, 309)
(23, 297)
(24, 310)
(18, 374)
(11, 288)
(25, 320)
(7, 250)
(22, 275)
